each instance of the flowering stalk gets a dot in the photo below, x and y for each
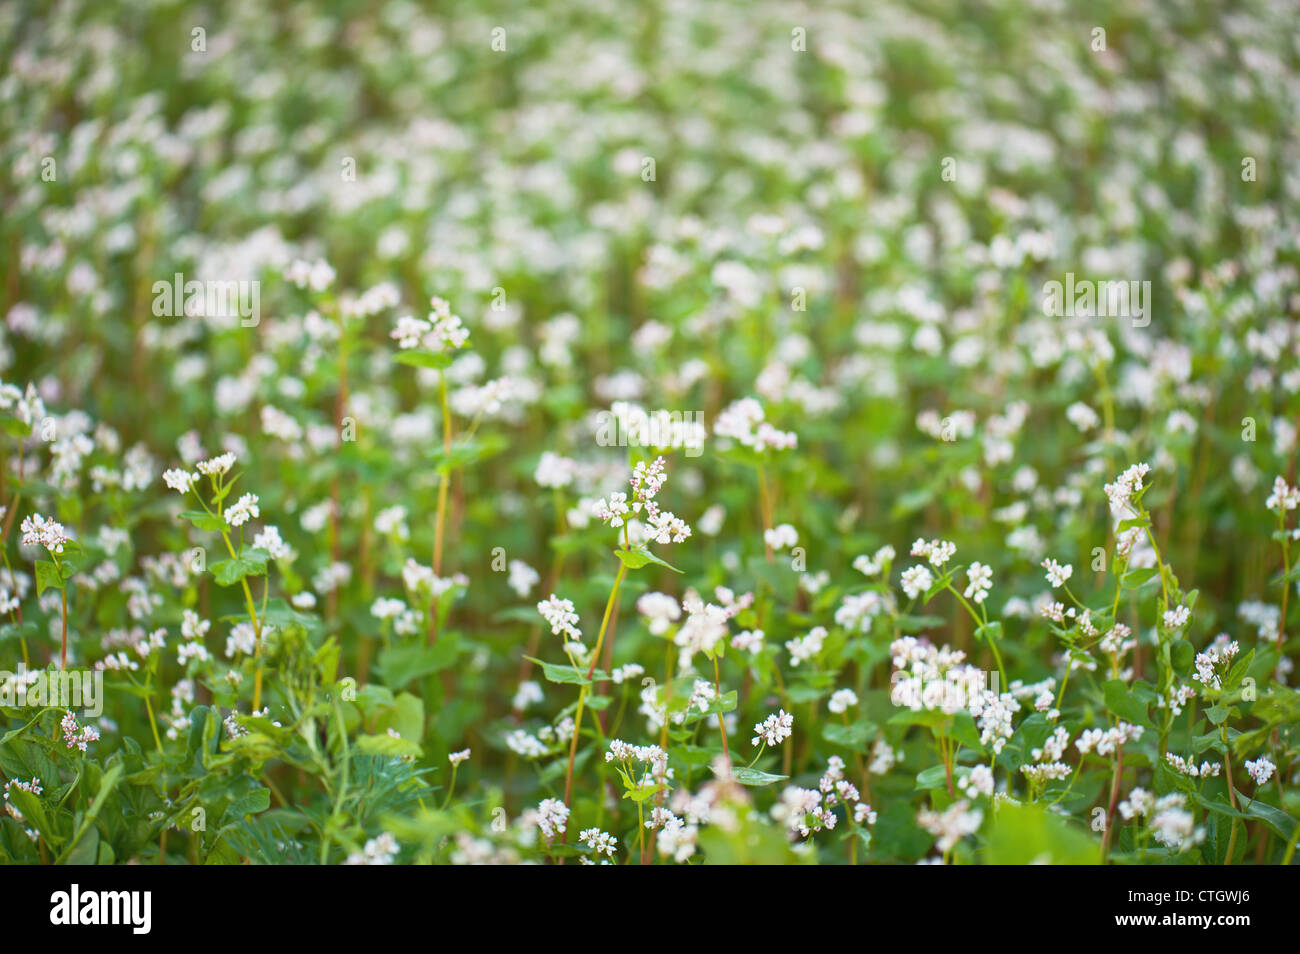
(582, 691)
(444, 484)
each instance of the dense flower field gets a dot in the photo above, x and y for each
(649, 432)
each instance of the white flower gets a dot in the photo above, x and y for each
(781, 537)
(1127, 486)
(1191, 769)
(38, 531)
(270, 541)
(1056, 573)
(660, 609)
(602, 843)
(1261, 769)
(743, 422)
(243, 510)
(1082, 416)
(179, 480)
(409, 331)
(216, 466)
(522, 578)
(377, 851)
(552, 818)
(1284, 497)
(951, 825)
(841, 699)
(775, 729)
(806, 647)
(980, 581)
(561, 616)
(938, 552)
(979, 782)
(916, 580)
(457, 757)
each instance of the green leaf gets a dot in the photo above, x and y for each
(639, 556)
(250, 562)
(852, 736)
(417, 358)
(1124, 703)
(204, 520)
(1136, 578)
(754, 778)
(1279, 821)
(1022, 834)
(936, 776)
(47, 577)
(569, 675)
(258, 800)
(402, 663)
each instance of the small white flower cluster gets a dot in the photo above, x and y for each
(440, 332)
(782, 536)
(560, 615)
(856, 611)
(651, 755)
(877, 563)
(1117, 642)
(743, 421)
(702, 696)
(930, 678)
(1177, 698)
(806, 647)
(660, 609)
(1176, 618)
(916, 580)
(1191, 769)
(377, 851)
(706, 623)
(1127, 487)
(841, 699)
(979, 581)
(1261, 769)
(1173, 826)
(554, 471)
(1139, 803)
(456, 758)
(1057, 575)
(522, 578)
(1104, 742)
(1284, 497)
(242, 510)
(979, 782)
(748, 641)
(77, 736)
(802, 811)
(646, 482)
(1217, 655)
(951, 825)
(938, 552)
(33, 788)
(775, 729)
(181, 481)
(524, 743)
(40, 531)
(217, 466)
(552, 818)
(1047, 763)
(317, 275)
(600, 842)
(274, 545)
